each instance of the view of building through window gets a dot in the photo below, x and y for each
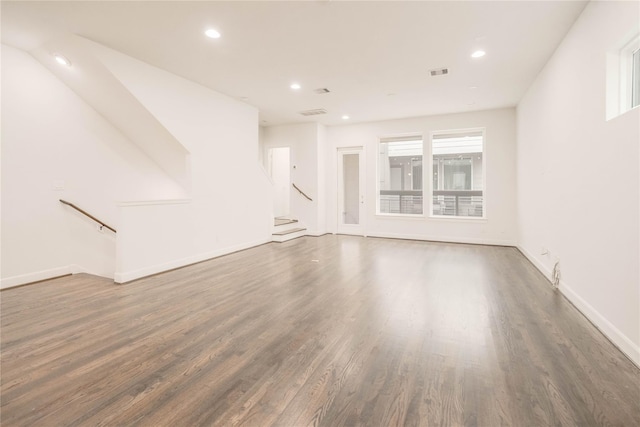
(400, 176)
(458, 174)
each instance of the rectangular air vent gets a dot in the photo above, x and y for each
(313, 112)
(322, 90)
(439, 72)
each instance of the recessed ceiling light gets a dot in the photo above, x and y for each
(62, 60)
(478, 54)
(295, 86)
(212, 33)
(345, 117)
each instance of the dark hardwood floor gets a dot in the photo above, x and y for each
(332, 331)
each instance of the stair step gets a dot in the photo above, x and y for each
(286, 235)
(284, 221)
(285, 232)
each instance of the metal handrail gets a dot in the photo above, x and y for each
(301, 192)
(102, 224)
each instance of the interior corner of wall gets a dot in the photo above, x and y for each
(186, 176)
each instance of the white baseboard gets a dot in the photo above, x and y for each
(614, 335)
(23, 279)
(316, 233)
(472, 240)
(128, 276)
(76, 269)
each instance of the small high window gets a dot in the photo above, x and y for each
(623, 78)
(635, 78)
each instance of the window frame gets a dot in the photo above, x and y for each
(431, 159)
(635, 77)
(619, 78)
(627, 74)
(400, 137)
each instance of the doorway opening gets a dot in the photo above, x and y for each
(351, 191)
(278, 167)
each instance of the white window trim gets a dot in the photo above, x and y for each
(626, 73)
(429, 150)
(619, 77)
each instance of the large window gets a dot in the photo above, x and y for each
(400, 176)
(458, 173)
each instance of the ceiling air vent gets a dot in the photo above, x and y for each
(439, 72)
(322, 90)
(313, 112)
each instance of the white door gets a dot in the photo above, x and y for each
(351, 191)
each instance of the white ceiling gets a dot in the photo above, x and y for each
(374, 57)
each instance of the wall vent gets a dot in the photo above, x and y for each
(322, 90)
(439, 72)
(315, 112)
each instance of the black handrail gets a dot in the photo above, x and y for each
(301, 192)
(102, 224)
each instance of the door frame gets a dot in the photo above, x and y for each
(352, 229)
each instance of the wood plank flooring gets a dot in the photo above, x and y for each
(331, 331)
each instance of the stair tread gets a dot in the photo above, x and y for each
(284, 221)
(285, 232)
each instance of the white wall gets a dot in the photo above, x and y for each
(96, 85)
(306, 170)
(50, 137)
(231, 196)
(498, 228)
(578, 179)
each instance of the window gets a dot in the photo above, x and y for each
(623, 78)
(635, 78)
(400, 175)
(458, 173)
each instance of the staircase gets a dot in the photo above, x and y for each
(287, 229)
